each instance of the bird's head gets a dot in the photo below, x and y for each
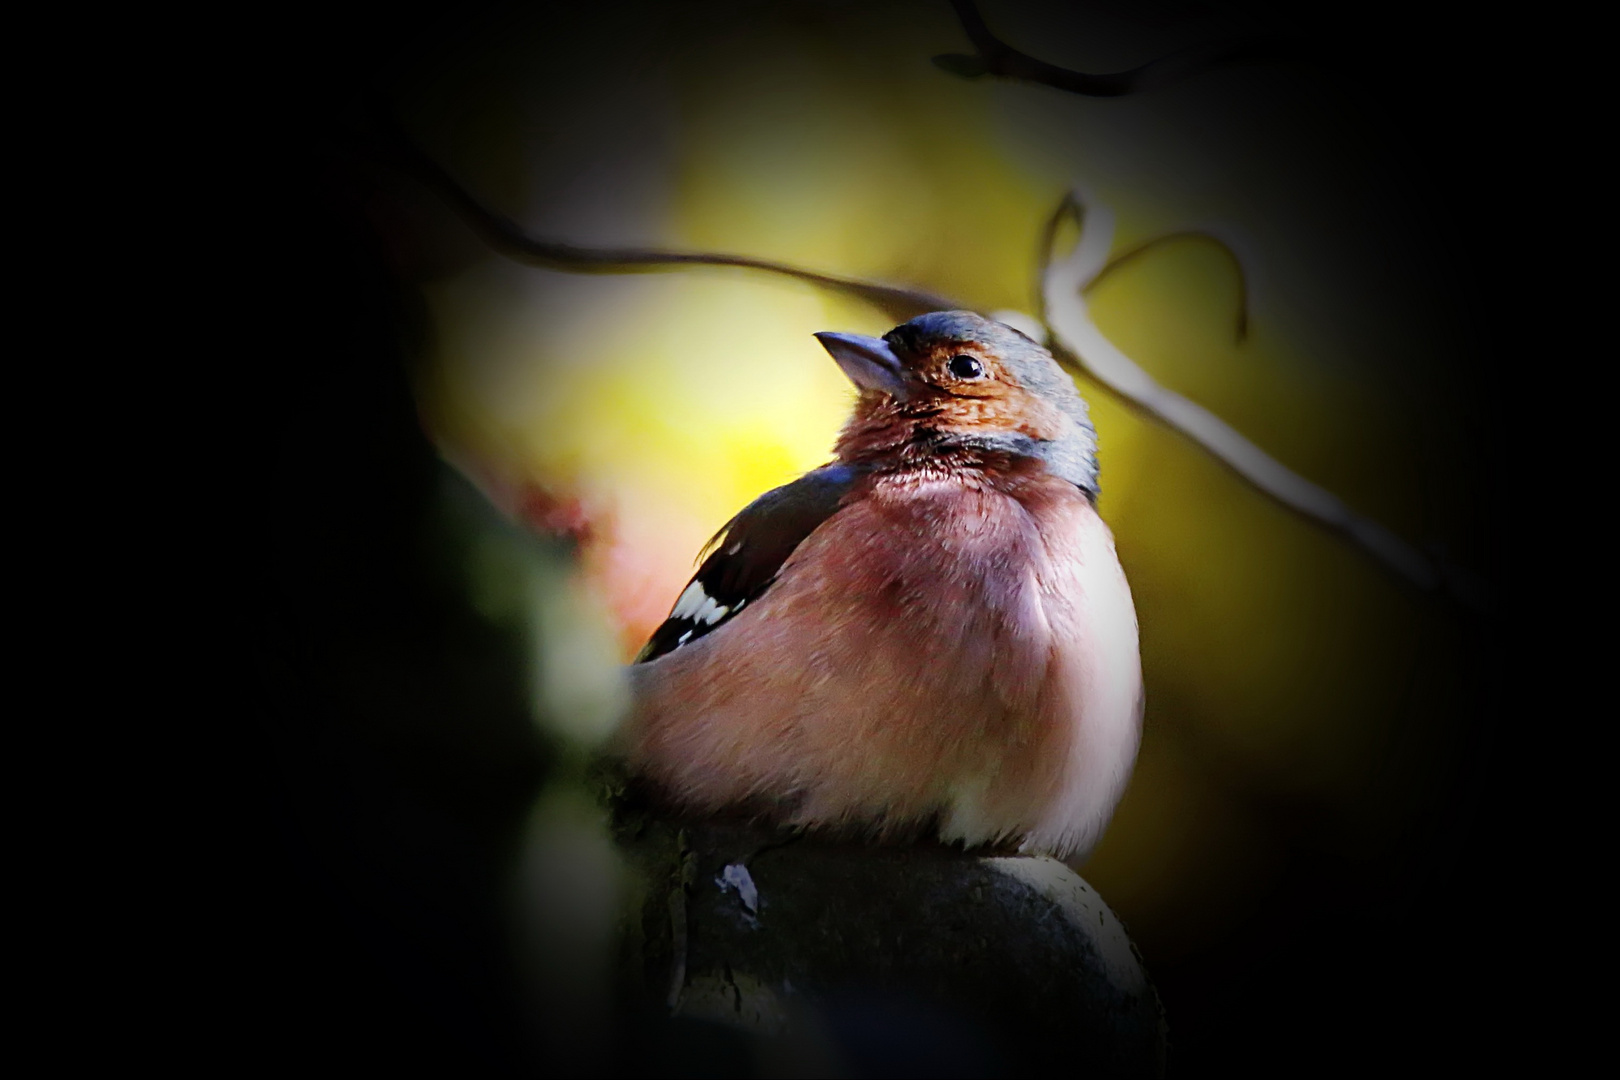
(952, 382)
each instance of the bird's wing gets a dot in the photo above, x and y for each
(745, 555)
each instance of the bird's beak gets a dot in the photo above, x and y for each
(868, 361)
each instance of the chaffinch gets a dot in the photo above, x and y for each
(932, 632)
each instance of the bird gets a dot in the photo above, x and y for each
(930, 635)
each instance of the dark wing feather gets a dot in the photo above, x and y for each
(747, 553)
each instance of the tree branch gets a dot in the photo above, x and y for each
(996, 57)
(508, 238)
(1073, 333)
(1241, 330)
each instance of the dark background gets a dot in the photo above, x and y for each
(391, 761)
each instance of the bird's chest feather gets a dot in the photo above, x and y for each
(938, 590)
(933, 647)
(984, 645)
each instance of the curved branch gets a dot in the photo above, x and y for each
(996, 57)
(508, 238)
(1131, 254)
(1074, 333)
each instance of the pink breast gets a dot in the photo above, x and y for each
(931, 650)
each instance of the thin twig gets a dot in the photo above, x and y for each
(508, 238)
(1063, 280)
(996, 57)
(1241, 330)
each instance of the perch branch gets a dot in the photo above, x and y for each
(995, 57)
(1063, 280)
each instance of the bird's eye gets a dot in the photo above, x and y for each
(966, 367)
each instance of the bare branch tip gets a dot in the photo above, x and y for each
(996, 57)
(962, 64)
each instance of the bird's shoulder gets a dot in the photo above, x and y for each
(745, 556)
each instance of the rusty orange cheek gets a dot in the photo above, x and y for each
(1008, 408)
